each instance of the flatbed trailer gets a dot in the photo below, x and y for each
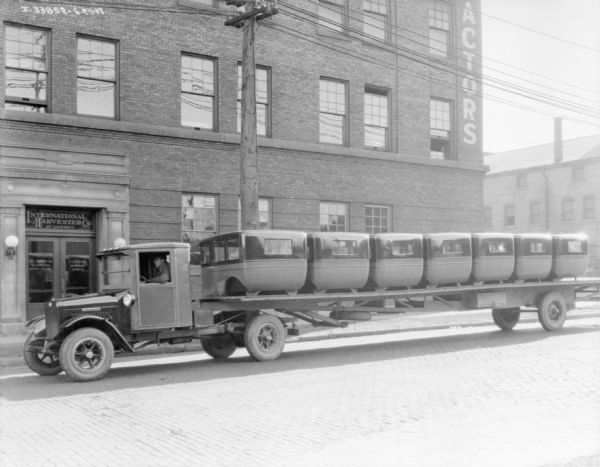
(273, 317)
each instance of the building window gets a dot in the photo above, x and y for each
(264, 214)
(578, 173)
(96, 77)
(535, 212)
(568, 210)
(376, 119)
(26, 52)
(263, 99)
(332, 14)
(375, 18)
(589, 207)
(199, 215)
(332, 108)
(441, 128)
(522, 181)
(439, 27)
(377, 219)
(333, 217)
(509, 215)
(198, 92)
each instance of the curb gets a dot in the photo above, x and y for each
(11, 354)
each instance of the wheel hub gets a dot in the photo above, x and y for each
(88, 355)
(553, 312)
(266, 337)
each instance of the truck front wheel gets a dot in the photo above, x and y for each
(86, 354)
(43, 363)
(264, 337)
(219, 347)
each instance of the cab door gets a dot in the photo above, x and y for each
(156, 302)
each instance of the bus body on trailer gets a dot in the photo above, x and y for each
(249, 289)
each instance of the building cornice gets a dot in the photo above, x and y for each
(97, 124)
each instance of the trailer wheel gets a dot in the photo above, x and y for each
(552, 311)
(86, 354)
(506, 318)
(264, 337)
(219, 347)
(43, 363)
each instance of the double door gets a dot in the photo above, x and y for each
(58, 267)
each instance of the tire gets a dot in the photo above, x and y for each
(219, 347)
(234, 288)
(86, 354)
(507, 318)
(44, 364)
(552, 311)
(264, 337)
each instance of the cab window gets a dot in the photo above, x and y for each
(155, 267)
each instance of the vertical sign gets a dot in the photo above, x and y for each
(469, 56)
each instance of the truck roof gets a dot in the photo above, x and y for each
(143, 246)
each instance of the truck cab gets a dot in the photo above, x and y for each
(165, 303)
(79, 334)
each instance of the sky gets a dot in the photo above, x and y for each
(566, 69)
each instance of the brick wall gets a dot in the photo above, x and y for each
(296, 172)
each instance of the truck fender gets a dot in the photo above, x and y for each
(37, 325)
(99, 323)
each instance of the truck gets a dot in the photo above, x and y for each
(215, 295)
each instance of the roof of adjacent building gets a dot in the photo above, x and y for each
(536, 156)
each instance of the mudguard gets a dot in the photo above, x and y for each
(99, 323)
(37, 325)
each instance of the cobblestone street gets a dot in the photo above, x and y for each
(471, 396)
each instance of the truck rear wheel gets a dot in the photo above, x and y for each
(43, 363)
(219, 347)
(506, 318)
(264, 337)
(552, 311)
(86, 354)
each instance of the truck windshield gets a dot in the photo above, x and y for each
(116, 271)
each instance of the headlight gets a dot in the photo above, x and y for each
(128, 300)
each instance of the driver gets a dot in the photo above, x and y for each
(162, 270)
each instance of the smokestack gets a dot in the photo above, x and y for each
(558, 140)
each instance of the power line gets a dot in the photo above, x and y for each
(414, 74)
(395, 34)
(424, 59)
(350, 53)
(215, 12)
(546, 99)
(566, 41)
(447, 67)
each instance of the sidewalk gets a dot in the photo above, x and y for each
(11, 347)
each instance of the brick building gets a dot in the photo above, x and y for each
(122, 122)
(547, 188)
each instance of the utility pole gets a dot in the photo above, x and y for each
(254, 10)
